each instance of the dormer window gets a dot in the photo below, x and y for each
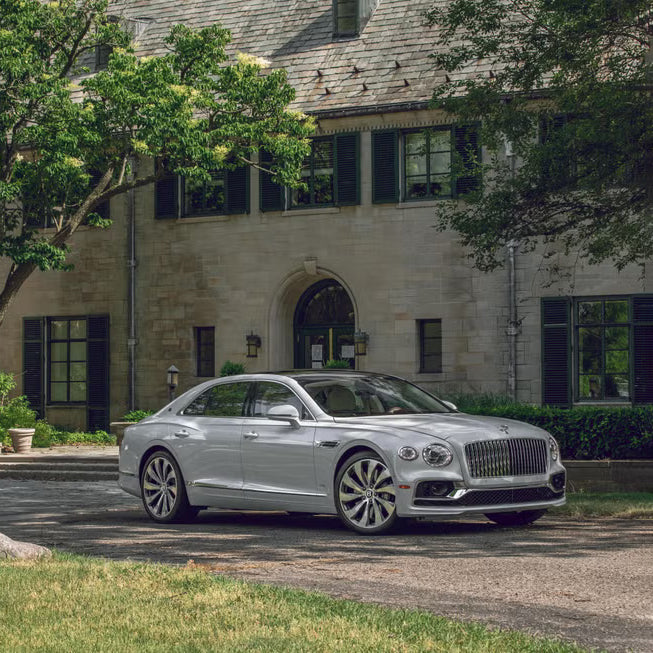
(103, 50)
(345, 17)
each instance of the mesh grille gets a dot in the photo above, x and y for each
(516, 457)
(496, 497)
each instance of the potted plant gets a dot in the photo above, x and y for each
(17, 419)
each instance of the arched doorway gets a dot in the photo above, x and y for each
(324, 325)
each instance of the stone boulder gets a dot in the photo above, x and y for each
(11, 549)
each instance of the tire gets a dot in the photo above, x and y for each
(163, 491)
(515, 518)
(365, 495)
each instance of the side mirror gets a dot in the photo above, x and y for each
(284, 413)
(448, 404)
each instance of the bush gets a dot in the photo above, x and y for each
(137, 415)
(231, 369)
(336, 365)
(584, 433)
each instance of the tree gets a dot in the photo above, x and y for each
(566, 86)
(67, 147)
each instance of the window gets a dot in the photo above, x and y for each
(597, 349)
(67, 360)
(330, 173)
(437, 163)
(269, 394)
(225, 193)
(205, 350)
(603, 346)
(223, 400)
(430, 345)
(345, 17)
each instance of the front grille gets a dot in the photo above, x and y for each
(496, 497)
(515, 457)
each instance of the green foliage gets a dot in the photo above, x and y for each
(67, 147)
(336, 365)
(583, 433)
(137, 415)
(48, 436)
(16, 413)
(231, 369)
(577, 74)
(7, 384)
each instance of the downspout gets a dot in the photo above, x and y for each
(513, 323)
(131, 299)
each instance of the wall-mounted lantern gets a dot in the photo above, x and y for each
(253, 344)
(360, 343)
(173, 381)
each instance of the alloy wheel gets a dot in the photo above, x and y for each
(160, 487)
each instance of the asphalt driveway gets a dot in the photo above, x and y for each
(590, 582)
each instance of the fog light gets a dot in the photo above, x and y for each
(433, 489)
(558, 481)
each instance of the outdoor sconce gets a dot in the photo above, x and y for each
(173, 381)
(360, 343)
(253, 344)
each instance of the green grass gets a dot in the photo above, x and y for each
(72, 604)
(620, 505)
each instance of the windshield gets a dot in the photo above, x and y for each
(360, 396)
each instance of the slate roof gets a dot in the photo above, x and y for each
(386, 68)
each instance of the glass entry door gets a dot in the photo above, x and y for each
(324, 326)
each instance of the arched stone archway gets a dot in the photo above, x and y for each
(294, 290)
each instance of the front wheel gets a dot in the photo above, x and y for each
(515, 518)
(365, 495)
(162, 490)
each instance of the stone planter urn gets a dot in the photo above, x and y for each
(118, 429)
(21, 439)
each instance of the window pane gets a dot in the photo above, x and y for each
(440, 162)
(226, 400)
(590, 362)
(59, 330)
(77, 329)
(214, 190)
(194, 196)
(416, 187)
(590, 387)
(59, 351)
(59, 392)
(59, 372)
(78, 391)
(430, 333)
(616, 362)
(440, 185)
(77, 351)
(416, 144)
(589, 312)
(617, 386)
(590, 339)
(78, 371)
(271, 394)
(616, 311)
(616, 337)
(441, 141)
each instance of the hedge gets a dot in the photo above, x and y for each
(583, 433)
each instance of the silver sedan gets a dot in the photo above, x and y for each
(370, 448)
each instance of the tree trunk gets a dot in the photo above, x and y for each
(18, 275)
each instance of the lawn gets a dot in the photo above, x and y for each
(620, 505)
(69, 603)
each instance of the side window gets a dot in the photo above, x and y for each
(224, 400)
(270, 394)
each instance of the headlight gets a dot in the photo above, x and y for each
(437, 455)
(555, 450)
(408, 453)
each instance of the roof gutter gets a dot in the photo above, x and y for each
(372, 109)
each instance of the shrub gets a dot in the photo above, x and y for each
(336, 364)
(231, 369)
(584, 433)
(137, 415)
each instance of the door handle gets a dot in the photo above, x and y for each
(252, 435)
(182, 434)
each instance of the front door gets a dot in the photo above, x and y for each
(324, 326)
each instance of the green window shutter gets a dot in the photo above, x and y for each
(385, 167)
(97, 372)
(643, 349)
(166, 197)
(556, 351)
(467, 144)
(33, 363)
(347, 169)
(237, 186)
(271, 195)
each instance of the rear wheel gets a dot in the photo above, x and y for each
(162, 490)
(365, 494)
(520, 518)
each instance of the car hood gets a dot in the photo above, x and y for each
(458, 427)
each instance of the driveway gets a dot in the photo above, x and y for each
(590, 582)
